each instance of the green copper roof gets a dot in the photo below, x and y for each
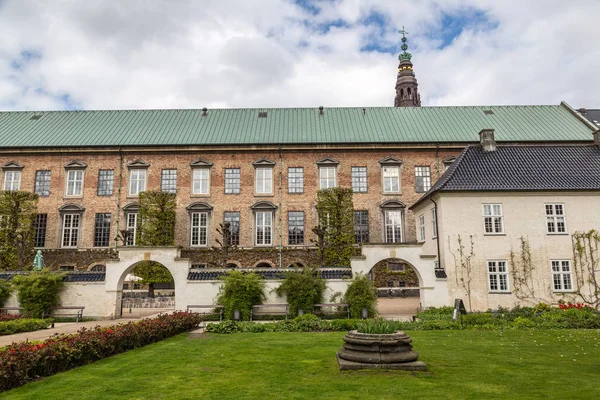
(289, 126)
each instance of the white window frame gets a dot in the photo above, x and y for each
(71, 226)
(556, 219)
(12, 180)
(131, 221)
(137, 181)
(199, 227)
(497, 271)
(492, 213)
(434, 222)
(264, 220)
(391, 178)
(562, 276)
(75, 182)
(422, 227)
(263, 180)
(327, 177)
(393, 224)
(201, 181)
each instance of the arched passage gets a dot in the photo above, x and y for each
(148, 288)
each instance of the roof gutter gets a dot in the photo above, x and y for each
(437, 230)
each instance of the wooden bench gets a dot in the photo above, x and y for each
(269, 309)
(5, 310)
(65, 311)
(332, 307)
(207, 309)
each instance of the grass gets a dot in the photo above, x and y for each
(525, 364)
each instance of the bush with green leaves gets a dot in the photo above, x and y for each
(361, 294)
(5, 290)
(240, 291)
(377, 326)
(23, 325)
(38, 291)
(303, 290)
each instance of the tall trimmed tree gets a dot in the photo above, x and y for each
(18, 211)
(336, 221)
(156, 213)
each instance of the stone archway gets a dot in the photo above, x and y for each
(433, 292)
(129, 257)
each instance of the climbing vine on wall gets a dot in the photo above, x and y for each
(586, 266)
(462, 262)
(156, 224)
(18, 211)
(522, 269)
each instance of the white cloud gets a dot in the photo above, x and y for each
(269, 53)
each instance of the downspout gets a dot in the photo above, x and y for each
(119, 195)
(437, 160)
(280, 209)
(437, 230)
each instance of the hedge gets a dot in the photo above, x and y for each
(18, 325)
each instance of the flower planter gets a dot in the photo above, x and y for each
(378, 351)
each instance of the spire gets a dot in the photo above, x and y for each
(407, 94)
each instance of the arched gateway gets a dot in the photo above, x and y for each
(433, 291)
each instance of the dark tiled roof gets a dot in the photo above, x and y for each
(268, 274)
(593, 116)
(522, 168)
(8, 275)
(76, 276)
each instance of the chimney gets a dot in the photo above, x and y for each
(597, 138)
(204, 110)
(486, 139)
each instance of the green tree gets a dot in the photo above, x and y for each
(18, 211)
(336, 218)
(39, 291)
(303, 289)
(361, 294)
(240, 291)
(156, 225)
(5, 290)
(152, 273)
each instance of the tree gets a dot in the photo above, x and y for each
(156, 225)
(336, 225)
(38, 291)
(361, 294)
(18, 211)
(303, 289)
(152, 273)
(240, 292)
(225, 244)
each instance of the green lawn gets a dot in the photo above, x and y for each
(524, 364)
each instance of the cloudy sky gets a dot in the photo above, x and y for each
(135, 54)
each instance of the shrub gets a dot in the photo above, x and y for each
(223, 327)
(240, 292)
(377, 326)
(5, 289)
(17, 325)
(38, 291)
(303, 289)
(23, 362)
(361, 294)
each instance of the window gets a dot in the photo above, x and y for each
(39, 224)
(201, 181)
(359, 179)
(74, 182)
(199, 229)
(422, 228)
(98, 268)
(492, 218)
(264, 180)
(434, 222)
(12, 180)
(264, 228)
(391, 179)
(70, 234)
(393, 226)
(422, 179)
(106, 179)
(131, 219)
(137, 181)
(295, 227)
(561, 276)
(42, 183)
(497, 276)
(295, 180)
(102, 230)
(168, 180)
(327, 177)
(361, 226)
(234, 227)
(555, 218)
(197, 266)
(232, 180)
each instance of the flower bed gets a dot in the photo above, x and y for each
(23, 362)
